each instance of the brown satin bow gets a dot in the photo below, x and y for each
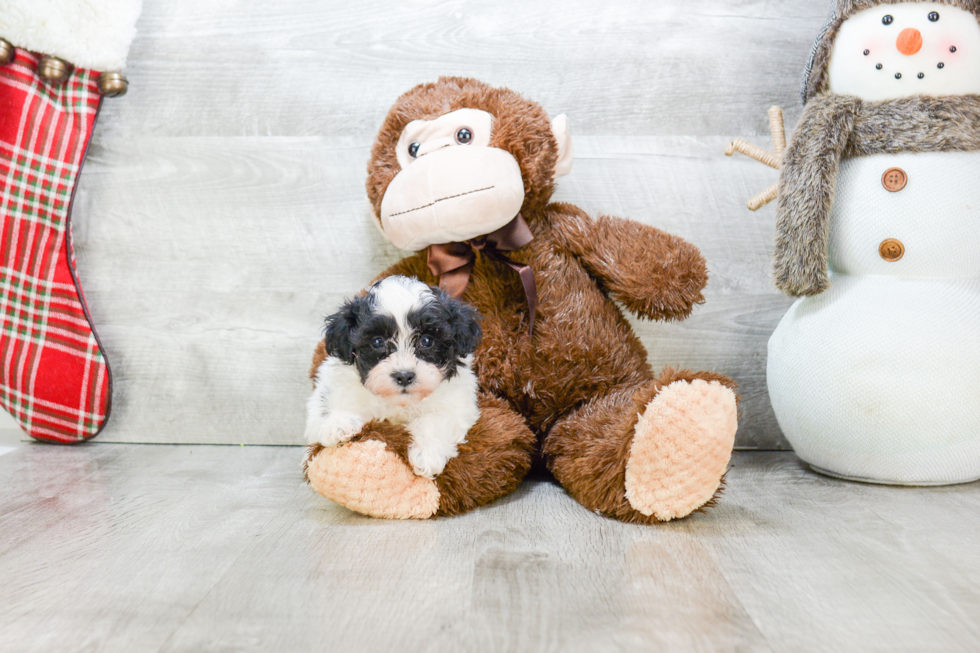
(453, 262)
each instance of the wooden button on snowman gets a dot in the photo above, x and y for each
(894, 179)
(874, 373)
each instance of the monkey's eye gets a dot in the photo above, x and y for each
(413, 149)
(888, 20)
(426, 341)
(378, 342)
(934, 16)
(464, 136)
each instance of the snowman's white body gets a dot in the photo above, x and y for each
(878, 378)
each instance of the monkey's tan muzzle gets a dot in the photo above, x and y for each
(452, 195)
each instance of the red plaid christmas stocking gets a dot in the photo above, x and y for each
(54, 378)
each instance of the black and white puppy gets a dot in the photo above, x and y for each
(401, 353)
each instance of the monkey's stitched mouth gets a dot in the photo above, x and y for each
(451, 197)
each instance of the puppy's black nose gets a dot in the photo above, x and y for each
(404, 378)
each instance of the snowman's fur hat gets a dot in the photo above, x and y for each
(815, 77)
(835, 126)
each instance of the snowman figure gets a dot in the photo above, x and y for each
(874, 373)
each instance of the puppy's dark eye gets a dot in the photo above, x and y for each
(934, 16)
(464, 136)
(426, 341)
(378, 342)
(413, 149)
(888, 20)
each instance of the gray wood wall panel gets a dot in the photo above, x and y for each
(222, 212)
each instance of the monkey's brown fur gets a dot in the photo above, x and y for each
(579, 383)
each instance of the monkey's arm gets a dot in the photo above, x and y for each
(652, 273)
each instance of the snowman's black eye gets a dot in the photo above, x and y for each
(934, 16)
(888, 20)
(867, 52)
(879, 66)
(941, 65)
(952, 48)
(464, 136)
(413, 149)
(922, 75)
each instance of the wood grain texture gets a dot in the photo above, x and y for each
(333, 68)
(179, 548)
(222, 211)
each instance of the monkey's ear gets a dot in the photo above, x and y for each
(559, 127)
(339, 338)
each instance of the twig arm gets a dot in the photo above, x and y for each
(763, 198)
(752, 151)
(778, 129)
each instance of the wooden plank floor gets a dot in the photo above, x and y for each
(109, 547)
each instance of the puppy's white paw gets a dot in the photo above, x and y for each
(434, 441)
(428, 461)
(334, 428)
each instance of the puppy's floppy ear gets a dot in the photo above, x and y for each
(340, 328)
(464, 320)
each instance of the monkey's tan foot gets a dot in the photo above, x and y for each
(681, 448)
(372, 474)
(369, 479)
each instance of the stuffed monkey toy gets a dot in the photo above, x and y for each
(462, 174)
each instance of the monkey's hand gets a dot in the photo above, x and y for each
(652, 273)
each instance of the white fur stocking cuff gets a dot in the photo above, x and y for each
(94, 34)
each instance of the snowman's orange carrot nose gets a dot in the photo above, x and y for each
(909, 41)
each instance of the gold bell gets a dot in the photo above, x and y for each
(7, 52)
(53, 70)
(113, 84)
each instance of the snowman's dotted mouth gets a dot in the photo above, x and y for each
(898, 75)
(940, 65)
